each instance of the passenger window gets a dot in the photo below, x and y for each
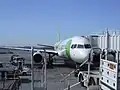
(80, 46)
(87, 46)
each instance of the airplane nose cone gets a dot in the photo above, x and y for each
(85, 54)
(81, 55)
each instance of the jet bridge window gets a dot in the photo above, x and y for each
(87, 46)
(80, 46)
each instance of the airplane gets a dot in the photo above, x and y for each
(76, 49)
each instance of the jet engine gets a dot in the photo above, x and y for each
(37, 57)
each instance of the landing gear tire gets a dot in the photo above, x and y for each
(91, 81)
(50, 61)
(50, 64)
(81, 79)
(24, 73)
(76, 73)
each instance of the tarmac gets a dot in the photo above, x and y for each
(54, 75)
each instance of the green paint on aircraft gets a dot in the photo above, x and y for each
(68, 48)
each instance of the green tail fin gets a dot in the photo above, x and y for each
(58, 33)
(58, 37)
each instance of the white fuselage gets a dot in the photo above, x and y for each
(76, 48)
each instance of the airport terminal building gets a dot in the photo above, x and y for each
(106, 40)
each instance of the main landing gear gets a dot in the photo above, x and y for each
(80, 67)
(77, 70)
(50, 61)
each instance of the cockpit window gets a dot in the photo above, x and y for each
(87, 46)
(80, 46)
(74, 46)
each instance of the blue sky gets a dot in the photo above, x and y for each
(24, 22)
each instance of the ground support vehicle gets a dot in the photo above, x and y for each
(107, 76)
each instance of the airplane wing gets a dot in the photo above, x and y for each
(48, 46)
(49, 49)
